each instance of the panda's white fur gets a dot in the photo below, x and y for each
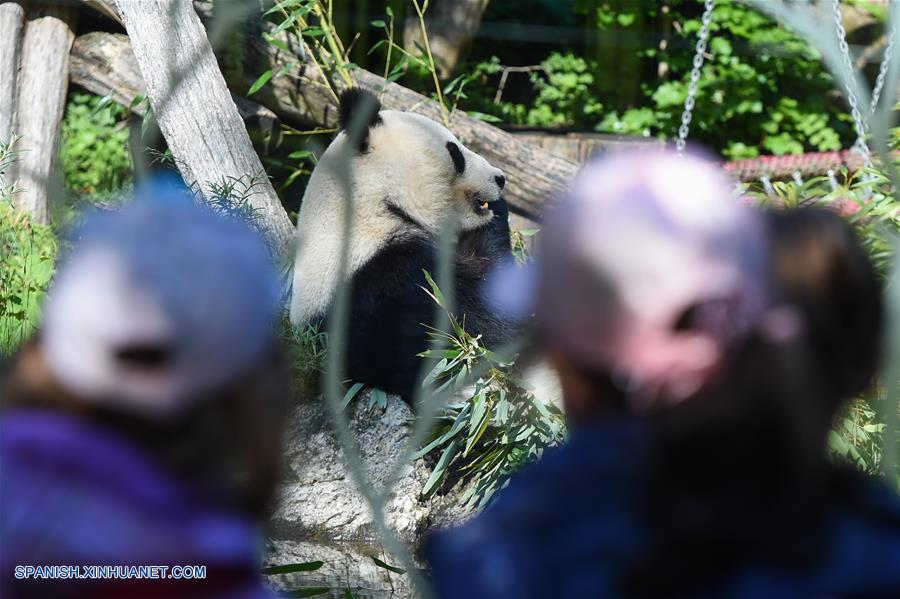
(408, 163)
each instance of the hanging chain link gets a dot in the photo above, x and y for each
(858, 121)
(882, 71)
(702, 39)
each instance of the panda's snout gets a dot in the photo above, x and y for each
(501, 181)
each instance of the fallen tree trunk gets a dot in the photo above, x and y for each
(40, 99)
(533, 174)
(194, 108)
(104, 63)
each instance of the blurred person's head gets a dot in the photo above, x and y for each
(649, 277)
(820, 267)
(160, 325)
(654, 299)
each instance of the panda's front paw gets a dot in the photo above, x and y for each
(501, 211)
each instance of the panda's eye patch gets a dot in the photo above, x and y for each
(459, 161)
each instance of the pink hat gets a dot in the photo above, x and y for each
(648, 269)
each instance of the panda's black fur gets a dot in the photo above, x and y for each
(389, 304)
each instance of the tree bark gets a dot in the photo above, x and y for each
(104, 63)
(194, 108)
(40, 99)
(12, 28)
(451, 26)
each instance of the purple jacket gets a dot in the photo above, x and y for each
(72, 493)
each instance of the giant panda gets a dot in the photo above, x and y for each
(407, 175)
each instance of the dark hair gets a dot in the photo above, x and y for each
(227, 447)
(822, 270)
(733, 475)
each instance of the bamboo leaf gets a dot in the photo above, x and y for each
(261, 81)
(381, 564)
(291, 568)
(440, 468)
(350, 394)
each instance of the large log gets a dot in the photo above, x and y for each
(194, 108)
(12, 26)
(40, 101)
(533, 174)
(104, 63)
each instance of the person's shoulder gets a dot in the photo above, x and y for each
(574, 505)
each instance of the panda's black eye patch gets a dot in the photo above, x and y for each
(459, 161)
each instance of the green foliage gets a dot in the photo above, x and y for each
(762, 88)
(519, 239)
(864, 197)
(306, 346)
(231, 198)
(496, 429)
(564, 93)
(310, 21)
(27, 257)
(858, 437)
(94, 153)
(8, 157)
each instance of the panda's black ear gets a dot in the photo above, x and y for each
(359, 108)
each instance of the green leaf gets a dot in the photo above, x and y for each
(436, 292)
(381, 564)
(308, 592)
(457, 426)
(285, 24)
(479, 433)
(261, 81)
(440, 468)
(280, 44)
(539, 405)
(291, 568)
(377, 397)
(350, 394)
(482, 116)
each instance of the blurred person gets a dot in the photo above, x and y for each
(696, 463)
(141, 427)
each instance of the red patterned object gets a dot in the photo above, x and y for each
(783, 167)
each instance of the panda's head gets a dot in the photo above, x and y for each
(413, 169)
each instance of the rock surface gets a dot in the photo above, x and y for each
(321, 516)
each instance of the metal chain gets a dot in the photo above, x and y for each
(882, 72)
(702, 39)
(858, 121)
